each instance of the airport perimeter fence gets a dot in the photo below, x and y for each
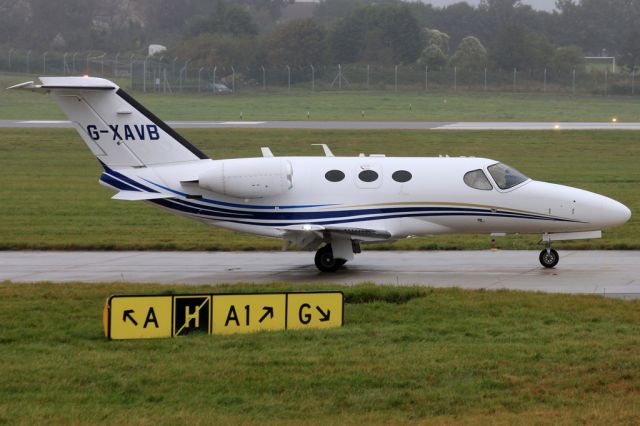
(177, 75)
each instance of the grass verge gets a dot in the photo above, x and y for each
(348, 105)
(51, 198)
(404, 355)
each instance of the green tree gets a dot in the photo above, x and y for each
(437, 38)
(221, 50)
(470, 54)
(631, 50)
(297, 43)
(395, 28)
(518, 48)
(433, 57)
(567, 59)
(226, 19)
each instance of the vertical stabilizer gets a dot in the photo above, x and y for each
(115, 127)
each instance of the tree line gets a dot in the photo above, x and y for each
(499, 34)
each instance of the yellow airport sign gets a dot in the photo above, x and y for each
(246, 313)
(139, 317)
(315, 310)
(149, 316)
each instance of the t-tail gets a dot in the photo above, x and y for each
(117, 129)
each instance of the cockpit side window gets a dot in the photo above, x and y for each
(478, 180)
(505, 176)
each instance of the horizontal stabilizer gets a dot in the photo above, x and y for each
(139, 196)
(50, 83)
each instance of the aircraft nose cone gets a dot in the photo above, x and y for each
(614, 213)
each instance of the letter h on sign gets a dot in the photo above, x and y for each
(192, 314)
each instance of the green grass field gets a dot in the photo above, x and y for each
(348, 105)
(444, 356)
(51, 198)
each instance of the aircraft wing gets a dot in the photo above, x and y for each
(311, 236)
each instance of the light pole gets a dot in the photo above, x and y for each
(160, 64)
(288, 78)
(28, 62)
(233, 80)
(186, 69)
(131, 69)
(144, 72)
(264, 78)
(515, 73)
(213, 86)
(395, 78)
(73, 61)
(199, 73)
(173, 69)
(544, 83)
(455, 79)
(44, 62)
(426, 78)
(485, 79)
(368, 75)
(10, 53)
(313, 78)
(64, 63)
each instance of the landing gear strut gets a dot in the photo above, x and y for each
(325, 261)
(549, 257)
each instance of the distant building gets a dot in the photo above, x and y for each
(156, 48)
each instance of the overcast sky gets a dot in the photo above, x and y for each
(536, 4)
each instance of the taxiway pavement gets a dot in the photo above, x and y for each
(609, 273)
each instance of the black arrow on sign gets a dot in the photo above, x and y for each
(325, 316)
(127, 314)
(268, 312)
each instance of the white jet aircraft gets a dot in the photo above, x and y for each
(308, 201)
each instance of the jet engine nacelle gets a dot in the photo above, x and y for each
(248, 177)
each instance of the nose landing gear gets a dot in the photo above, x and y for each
(549, 257)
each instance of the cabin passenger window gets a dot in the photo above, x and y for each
(368, 176)
(334, 175)
(478, 180)
(505, 176)
(401, 176)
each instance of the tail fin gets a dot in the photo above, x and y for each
(116, 128)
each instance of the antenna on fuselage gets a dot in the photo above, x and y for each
(325, 148)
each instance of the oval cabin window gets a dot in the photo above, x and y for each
(401, 176)
(334, 175)
(368, 176)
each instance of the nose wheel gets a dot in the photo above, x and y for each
(325, 261)
(549, 257)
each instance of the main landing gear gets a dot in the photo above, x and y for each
(325, 261)
(549, 257)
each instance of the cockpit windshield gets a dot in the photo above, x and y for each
(505, 176)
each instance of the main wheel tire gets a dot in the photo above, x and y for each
(549, 258)
(325, 261)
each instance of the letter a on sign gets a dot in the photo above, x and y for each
(138, 317)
